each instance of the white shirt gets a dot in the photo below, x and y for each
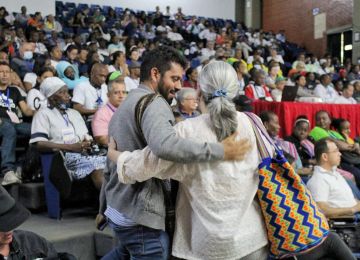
(208, 35)
(162, 28)
(277, 58)
(344, 100)
(87, 95)
(54, 63)
(116, 47)
(174, 36)
(49, 125)
(194, 29)
(205, 52)
(31, 78)
(40, 48)
(328, 93)
(276, 95)
(36, 100)
(330, 187)
(131, 83)
(250, 60)
(216, 214)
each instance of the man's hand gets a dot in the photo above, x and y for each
(235, 150)
(112, 144)
(356, 208)
(305, 171)
(100, 222)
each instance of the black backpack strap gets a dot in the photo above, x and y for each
(140, 108)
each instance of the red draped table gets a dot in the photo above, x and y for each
(289, 111)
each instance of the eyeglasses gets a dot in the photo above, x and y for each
(124, 92)
(193, 99)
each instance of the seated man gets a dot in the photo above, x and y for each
(19, 244)
(58, 127)
(325, 90)
(11, 102)
(116, 94)
(328, 188)
(133, 80)
(347, 95)
(24, 62)
(90, 95)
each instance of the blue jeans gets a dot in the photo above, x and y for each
(139, 242)
(9, 133)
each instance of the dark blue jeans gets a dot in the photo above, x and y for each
(9, 133)
(139, 242)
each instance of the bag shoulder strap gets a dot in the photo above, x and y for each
(259, 130)
(140, 108)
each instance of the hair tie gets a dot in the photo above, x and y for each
(302, 120)
(219, 93)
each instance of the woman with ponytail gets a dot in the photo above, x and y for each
(217, 215)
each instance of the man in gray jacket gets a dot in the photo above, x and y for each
(137, 212)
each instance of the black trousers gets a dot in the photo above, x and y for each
(333, 248)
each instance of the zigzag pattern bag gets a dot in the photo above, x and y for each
(294, 222)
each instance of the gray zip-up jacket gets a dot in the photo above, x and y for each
(144, 202)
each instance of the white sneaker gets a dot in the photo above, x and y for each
(10, 178)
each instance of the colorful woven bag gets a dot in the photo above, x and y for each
(294, 222)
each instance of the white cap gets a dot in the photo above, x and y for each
(51, 85)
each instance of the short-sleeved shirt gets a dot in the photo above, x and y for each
(331, 187)
(9, 99)
(50, 125)
(101, 120)
(131, 83)
(344, 100)
(87, 95)
(35, 99)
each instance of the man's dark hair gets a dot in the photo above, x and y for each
(336, 123)
(160, 58)
(321, 147)
(71, 47)
(4, 63)
(266, 116)
(188, 72)
(236, 65)
(39, 63)
(347, 85)
(323, 76)
(320, 112)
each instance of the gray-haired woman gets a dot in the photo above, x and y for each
(217, 216)
(187, 103)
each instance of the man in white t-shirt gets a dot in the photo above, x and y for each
(347, 95)
(132, 81)
(89, 95)
(327, 186)
(325, 90)
(209, 50)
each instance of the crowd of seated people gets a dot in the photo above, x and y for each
(92, 56)
(97, 53)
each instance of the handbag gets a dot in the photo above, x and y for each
(348, 229)
(294, 222)
(350, 157)
(59, 175)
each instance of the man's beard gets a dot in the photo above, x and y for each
(163, 91)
